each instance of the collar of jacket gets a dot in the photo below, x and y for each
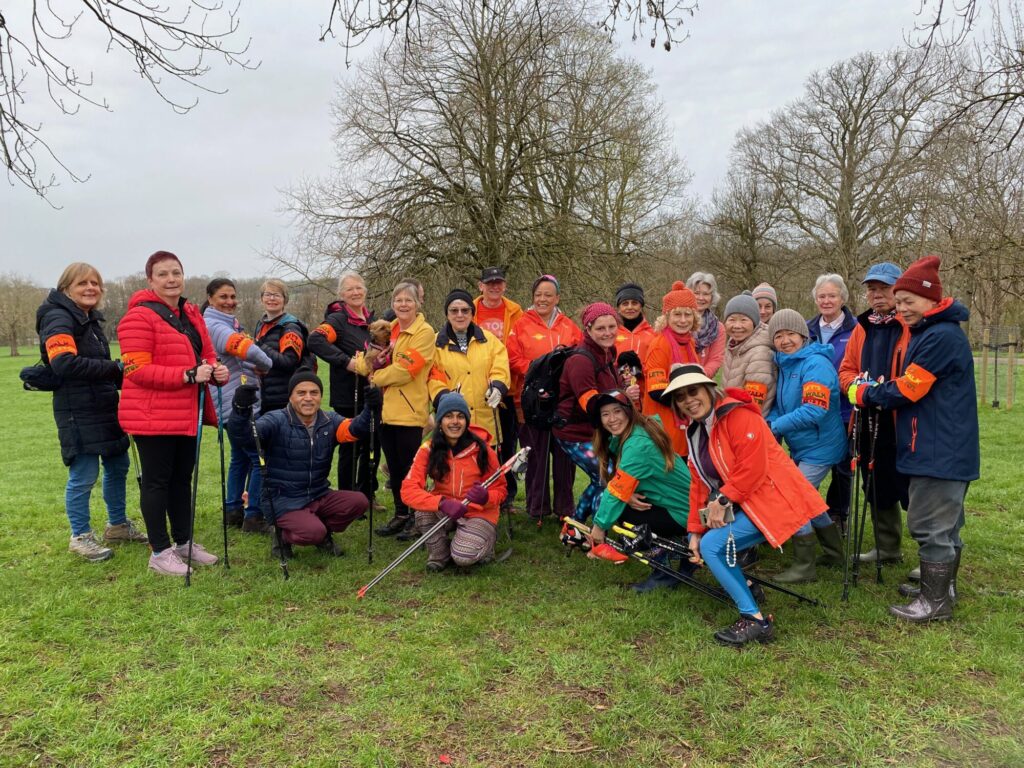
(81, 317)
(293, 418)
(447, 336)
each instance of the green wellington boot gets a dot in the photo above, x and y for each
(802, 568)
(888, 535)
(832, 542)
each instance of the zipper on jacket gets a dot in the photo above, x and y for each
(913, 434)
(407, 401)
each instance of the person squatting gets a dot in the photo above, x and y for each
(702, 435)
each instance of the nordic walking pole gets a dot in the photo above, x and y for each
(223, 491)
(497, 437)
(355, 448)
(138, 466)
(853, 523)
(195, 486)
(371, 477)
(511, 465)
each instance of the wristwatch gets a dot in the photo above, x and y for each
(722, 499)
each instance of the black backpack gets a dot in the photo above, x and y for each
(540, 388)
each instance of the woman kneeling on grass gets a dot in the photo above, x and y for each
(740, 473)
(650, 484)
(457, 458)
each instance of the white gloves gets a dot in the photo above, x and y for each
(493, 397)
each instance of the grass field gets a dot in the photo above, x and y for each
(543, 660)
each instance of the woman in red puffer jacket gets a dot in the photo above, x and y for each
(168, 360)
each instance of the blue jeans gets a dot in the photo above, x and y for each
(244, 472)
(82, 474)
(583, 456)
(712, 549)
(814, 473)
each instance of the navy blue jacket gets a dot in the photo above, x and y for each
(284, 340)
(838, 341)
(298, 465)
(935, 399)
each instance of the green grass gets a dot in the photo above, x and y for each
(540, 661)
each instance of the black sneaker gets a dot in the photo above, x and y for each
(256, 525)
(395, 525)
(275, 551)
(330, 547)
(409, 532)
(235, 517)
(747, 628)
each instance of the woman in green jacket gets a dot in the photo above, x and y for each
(645, 482)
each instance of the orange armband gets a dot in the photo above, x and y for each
(61, 344)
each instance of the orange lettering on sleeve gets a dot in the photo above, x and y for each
(757, 390)
(238, 344)
(133, 361)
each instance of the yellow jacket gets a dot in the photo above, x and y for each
(404, 380)
(471, 372)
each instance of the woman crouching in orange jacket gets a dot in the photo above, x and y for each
(457, 458)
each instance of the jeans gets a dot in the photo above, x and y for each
(713, 550)
(244, 473)
(82, 474)
(935, 517)
(814, 473)
(583, 456)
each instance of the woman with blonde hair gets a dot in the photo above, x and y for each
(282, 336)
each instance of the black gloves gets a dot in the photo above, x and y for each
(629, 358)
(373, 399)
(245, 399)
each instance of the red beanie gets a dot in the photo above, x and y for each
(679, 297)
(596, 310)
(922, 278)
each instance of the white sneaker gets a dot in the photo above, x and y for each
(167, 563)
(87, 546)
(199, 554)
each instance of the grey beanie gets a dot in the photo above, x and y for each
(787, 320)
(744, 304)
(453, 401)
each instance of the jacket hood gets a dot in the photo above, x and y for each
(809, 350)
(758, 338)
(949, 310)
(60, 299)
(446, 335)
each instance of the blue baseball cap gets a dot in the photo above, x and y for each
(883, 272)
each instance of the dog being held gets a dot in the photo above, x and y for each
(380, 340)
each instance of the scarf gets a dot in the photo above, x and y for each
(709, 329)
(677, 343)
(876, 319)
(631, 325)
(361, 318)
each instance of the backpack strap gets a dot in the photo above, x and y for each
(179, 322)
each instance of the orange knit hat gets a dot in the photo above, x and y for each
(679, 296)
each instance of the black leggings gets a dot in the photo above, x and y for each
(167, 463)
(400, 445)
(656, 518)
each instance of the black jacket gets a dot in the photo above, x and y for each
(85, 404)
(335, 341)
(284, 341)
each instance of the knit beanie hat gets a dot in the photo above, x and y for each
(922, 278)
(596, 310)
(302, 376)
(456, 295)
(453, 401)
(765, 291)
(679, 297)
(629, 292)
(743, 305)
(787, 320)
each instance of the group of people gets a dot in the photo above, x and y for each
(637, 408)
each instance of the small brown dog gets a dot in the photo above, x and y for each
(380, 339)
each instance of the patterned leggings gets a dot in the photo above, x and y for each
(473, 540)
(583, 456)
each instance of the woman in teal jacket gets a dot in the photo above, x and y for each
(807, 415)
(645, 482)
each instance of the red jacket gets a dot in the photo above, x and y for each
(582, 378)
(463, 472)
(657, 367)
(756, 473)
(154, 399)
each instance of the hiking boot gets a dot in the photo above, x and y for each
(913, 590)
(745, 558)
(199, 554)
(235, 517)
(436, 566)
(409, 532)
(832, 543)
(86, 546)
(934, 602)
(747, 628)
(395, 525)
(659, 579)
(914, 574)
(330, 547)
(126, 531)
(802, 569)
(167, 563)
(275, 550)
(256, 524)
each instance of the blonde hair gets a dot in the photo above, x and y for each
(662, 320)
(76, 271)
(277, 285)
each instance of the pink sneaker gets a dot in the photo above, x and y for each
(167, 563)
(199, 554)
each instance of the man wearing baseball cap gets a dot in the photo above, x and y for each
(877, 347)
(936, 433)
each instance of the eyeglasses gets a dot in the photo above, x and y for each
(271, 296)
(459, 310)
(691, 391)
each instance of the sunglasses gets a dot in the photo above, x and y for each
(692, 391)
(459, 310)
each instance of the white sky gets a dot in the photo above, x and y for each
(206, 185)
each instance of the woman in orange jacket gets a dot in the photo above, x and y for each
(542, 328)
(454, 462)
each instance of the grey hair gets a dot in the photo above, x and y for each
(349, 275)
(836, 280)
(705, 277)
(407, 287)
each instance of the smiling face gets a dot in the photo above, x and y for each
(224, 299)
(880, 296)
(405, 306)
(788, 342)
(912, 308)
(460, 315)
(353, 292)
(492, 291)
(766, 309)
(86, 291)
(829, 300)
(167, 281)
(692, 402)
(704, 295)
(545, 299)
(630, 309)
(738, 327)
(453, 425)
(614, 418)
(305, 400)
(273, 301)
(680, 319)
(603, 331)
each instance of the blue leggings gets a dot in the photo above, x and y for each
(712, 549)
(583, 456)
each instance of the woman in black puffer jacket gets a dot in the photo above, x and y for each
(73, 344)
(283, 337)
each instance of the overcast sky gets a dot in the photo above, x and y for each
(206, 184)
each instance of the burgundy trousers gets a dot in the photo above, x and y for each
(331, 512)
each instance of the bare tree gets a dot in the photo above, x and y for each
(19, 299)
(168, 45)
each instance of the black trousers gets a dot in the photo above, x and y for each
(509, 439)
(656, 518)
(167, 463)
(354, 459)
(400, 445)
